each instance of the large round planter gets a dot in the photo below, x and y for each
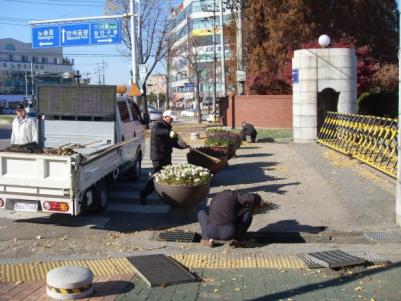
(182, 196)
(197, 159)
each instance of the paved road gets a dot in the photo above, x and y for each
(5, 134)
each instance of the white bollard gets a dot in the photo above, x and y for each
(194, 136)
(68, 283)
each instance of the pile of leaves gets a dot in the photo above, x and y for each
(184, 175)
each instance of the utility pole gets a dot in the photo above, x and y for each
(134, 62)
(214, 95)
(223, 56)
(240, 52)
(104, 76)
(26, 85)
(32, 87)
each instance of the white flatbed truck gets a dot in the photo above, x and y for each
(104, 130)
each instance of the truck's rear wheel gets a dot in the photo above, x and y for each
(101, 195)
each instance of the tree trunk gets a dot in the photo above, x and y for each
(197, 100)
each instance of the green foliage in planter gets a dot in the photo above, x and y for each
(184, 174)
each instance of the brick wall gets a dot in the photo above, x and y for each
(265, 111)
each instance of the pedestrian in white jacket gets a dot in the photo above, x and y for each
(23, 128)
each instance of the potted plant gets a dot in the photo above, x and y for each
(228, 134)
(213, 158)
(182, 185)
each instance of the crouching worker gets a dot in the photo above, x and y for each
(248, 130)
(228, 217)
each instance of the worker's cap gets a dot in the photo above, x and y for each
(20, 107)
(170, 113)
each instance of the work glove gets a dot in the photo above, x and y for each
(173, 135)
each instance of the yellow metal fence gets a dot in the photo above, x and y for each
(372, 140)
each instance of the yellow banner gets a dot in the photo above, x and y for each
(204, 32)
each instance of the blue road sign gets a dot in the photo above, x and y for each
(104, 33)
(295, 76)
(46, 36)
(75, 34)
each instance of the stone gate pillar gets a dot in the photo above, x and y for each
(315, 70)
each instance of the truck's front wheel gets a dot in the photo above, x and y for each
(137, 169)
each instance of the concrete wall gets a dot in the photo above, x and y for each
(265, 111)
(319, 69)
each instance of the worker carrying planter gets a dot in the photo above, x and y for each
(162, 141)
(228, 217)
(248, 130)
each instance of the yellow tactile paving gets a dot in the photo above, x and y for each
(117, 266)
(37, 271)
(223, 261)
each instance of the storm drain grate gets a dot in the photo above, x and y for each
(384, 236)
(368, 256)
(334, 259)
(309, 262)
(175, 236)
(160, 270)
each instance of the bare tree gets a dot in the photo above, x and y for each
(152, 33)
(191, 55)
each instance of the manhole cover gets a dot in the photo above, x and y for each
(334, 259)
(160, 270)
(175, 236)
(384, 236)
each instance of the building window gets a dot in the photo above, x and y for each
(10, 57)
(34, 59)
(55, 61)
(24, 65)
(19, 66)
(36, 67)
(24, 58)
(41, 66)
(44, 60)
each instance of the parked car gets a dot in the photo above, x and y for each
(212, 118)
(7, 111)
(154, 115)
(189, 113)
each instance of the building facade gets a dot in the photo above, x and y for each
(196, 19)
(22, 68)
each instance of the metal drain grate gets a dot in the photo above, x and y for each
(309, 262)
(384, 236)
(368, 256)
(160, 270)
(334, 259)
(175, 236)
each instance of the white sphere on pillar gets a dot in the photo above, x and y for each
(324, 40)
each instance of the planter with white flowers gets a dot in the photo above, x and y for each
(182, 185)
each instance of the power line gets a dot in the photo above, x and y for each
(56, 4)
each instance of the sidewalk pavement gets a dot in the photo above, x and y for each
(312, 192)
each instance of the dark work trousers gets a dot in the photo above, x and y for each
(243, 136)
(235, 231)
(157, 166)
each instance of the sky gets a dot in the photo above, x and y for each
(14, 18)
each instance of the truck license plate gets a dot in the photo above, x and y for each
(28, 207)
